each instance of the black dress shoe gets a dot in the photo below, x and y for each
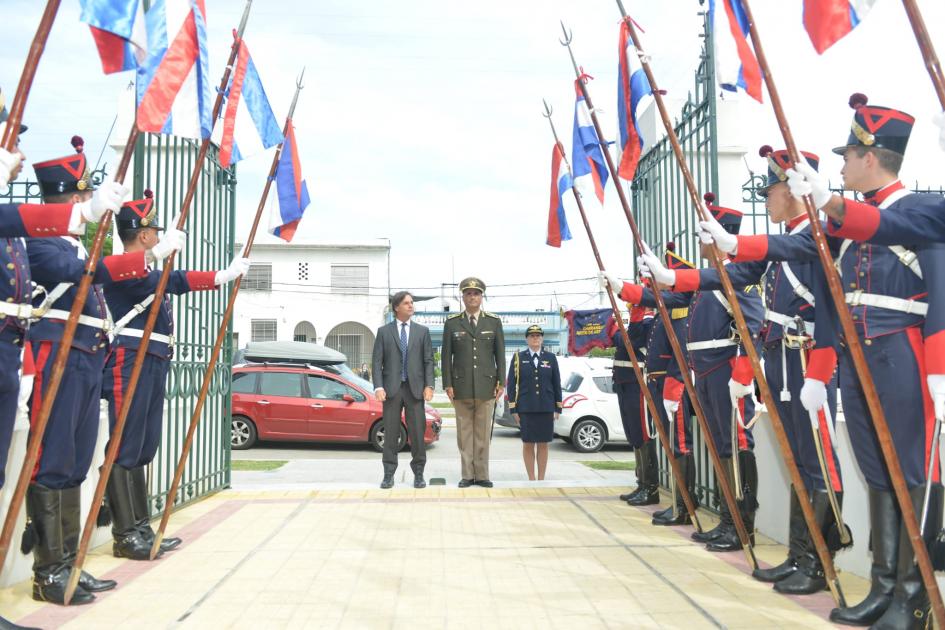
(388, 482)
(485, 483)
(629, 495)
(6, 624)
(681, 518)
(802, 582)
(465, 483)
(52, 588)
(93, 585)
(777, 572)
(418, 482)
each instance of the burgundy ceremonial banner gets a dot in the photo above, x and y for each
(590, 329)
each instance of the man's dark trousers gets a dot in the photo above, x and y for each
(415, 417)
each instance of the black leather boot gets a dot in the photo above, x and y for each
(638, 470)
(6, 624)
(71, 527)
(910, 607)
(127, 541)
(748, 469)
(725, 517)
(51, 565)
(885, 524)
(678, 514)
(809, 578)
(797, 529)
(650, 486)
(139, 501)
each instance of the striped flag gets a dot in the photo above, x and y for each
(560, 181)
(293, 193)
(632, 86)
(119, 32)
(586, 157)
(174, 92)
(248, 125)
(736, 67)
(827, 21)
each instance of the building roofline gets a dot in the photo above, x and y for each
(316, 246)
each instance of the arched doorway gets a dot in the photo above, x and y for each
(354, 340)
(304, 331)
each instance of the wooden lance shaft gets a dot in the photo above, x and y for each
(721, 478)
(854, 345)
(751, 351)
(218, 344)
(927, 49)
(114, 442)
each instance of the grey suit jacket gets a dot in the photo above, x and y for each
(387, 359)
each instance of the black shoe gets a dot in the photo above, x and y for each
(485, 483)
(776, 573)
(681, 518)
(388, 482)
(629, 495)
(800, 583)
(418, 482)
(708, 535)
(728, 541)
(94, 585)
(140, 506)
(662, 515)
(6, 624)
(465, 483)
(649, 496)
(52, 588)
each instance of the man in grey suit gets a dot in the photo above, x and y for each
(403, 379)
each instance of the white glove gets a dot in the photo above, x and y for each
(937, 390)
(813, 394)
(671, 406)
(8, 163)
(939, 119)
(804, 180)
(609, 280)
(651, 267)
(711, 231)
(172, 241)
(737, 390)
(237, 269)
(107, 197)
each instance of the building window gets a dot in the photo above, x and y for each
(303, 271)
(259, 278)
(263, 330)
(305, 332)
(349, 279)
(354, 340)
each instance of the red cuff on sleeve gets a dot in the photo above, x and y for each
(631, 293)
(741, 369)
(935, 353)
(125, 266)
(637, 313)
(672, 389)
(51, 219)
(860, 221)
(686, 280)
(201, 280)
(753, 247)
(821, 363)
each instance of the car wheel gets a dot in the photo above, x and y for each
(243, 433)
(377, 436)
(588, 436)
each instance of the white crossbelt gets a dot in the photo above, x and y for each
(20, 311)
(137, 332)
(789, 322)
(628, 364)
(858, 298)
(85, 320)
(711, 343)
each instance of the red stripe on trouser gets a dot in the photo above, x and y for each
(45, 348)
(835, 480)
(742, 438)
(681, 431)
(643, 425)
(117, 384)
(914, 335)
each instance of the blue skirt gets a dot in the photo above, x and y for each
(538, 427)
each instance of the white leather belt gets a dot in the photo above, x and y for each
(85, 320)
(137, 332)
(912, 307)
(19, 311)
(627, 364)
(789, 322)
(711, 343)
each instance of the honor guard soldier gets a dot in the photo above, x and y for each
(534, 386)
(473, 366)
(896, 299)
(57, 265)
(129, 302)
(631, 402)
(723, 382)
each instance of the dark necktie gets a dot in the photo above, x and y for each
(472, 321)
(403, 351)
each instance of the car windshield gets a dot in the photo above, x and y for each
(573, 383)
(342, 369)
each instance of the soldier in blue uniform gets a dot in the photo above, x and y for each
(723, 381)
(57, 265)
(129, 302)
(632, 407)
(534, 388)
(788, 332)
(897, 302)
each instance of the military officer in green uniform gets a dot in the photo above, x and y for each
(473, 371)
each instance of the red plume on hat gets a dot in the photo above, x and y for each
(765, 150)
(709, 197)
(78, 143)
(858, 100)
(148, 193)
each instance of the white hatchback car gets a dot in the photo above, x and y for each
(590, 415)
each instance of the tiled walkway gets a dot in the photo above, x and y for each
(437, 558)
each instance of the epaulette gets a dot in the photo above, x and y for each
(488, 314)
(453, 316)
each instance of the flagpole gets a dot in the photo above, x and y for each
(745, 334)
(721, 478)
(678, 478)
(114, 442)
(15, 115)
(927, 49)
(853, 343)
(221, 336)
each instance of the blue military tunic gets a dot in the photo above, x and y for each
(913, 218)
(661, 367)
(534, 389)
(629, 396)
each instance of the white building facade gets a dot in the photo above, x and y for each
(331, 294)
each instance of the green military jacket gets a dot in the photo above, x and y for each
(473, 360)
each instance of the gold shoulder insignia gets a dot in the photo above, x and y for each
(488, 314)
(453, 316)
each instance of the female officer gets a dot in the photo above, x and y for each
(534, 387)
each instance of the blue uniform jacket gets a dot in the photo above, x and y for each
(531, 389)
(638, 333)
(915, 218)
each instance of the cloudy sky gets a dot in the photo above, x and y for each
(421, 119)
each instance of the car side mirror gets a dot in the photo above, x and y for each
(348, 398)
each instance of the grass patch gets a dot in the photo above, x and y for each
(608, 464)
(256, 465)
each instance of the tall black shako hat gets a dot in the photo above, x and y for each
(728, 218)
(4, 114)
(674, 260)
(778, 162)
(138, 213)
(67, 174)
(877, 127)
